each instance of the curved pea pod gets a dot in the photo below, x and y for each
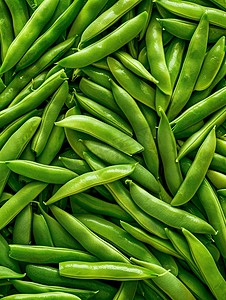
(127, 290)
(47, 255)
(107, 18)
(218, 179)
(113, 156)
(5, 260)
(22, 226)
(41, 231)
(28, 34)
(134, 65)
(199, 111)
(89, 240)
(98, 206)
(107, 45)
(50, 36)
(194, 284)
(21, 199)
(6, 273)
(169, 283)
(168, 152)
(197, 171)
(51, 276)
(15, 145)
(41, 172)
(166, 213)
(98, 76)
(103, 132)
(190, 69)
(105, 270)
(35, 288)
(117, 236)
(78, 166)
(206, 265)
(140, 126)
(104, 114)
(134, 85)
(47, 296)
(156, 56)
(123, 198)
(157, 243)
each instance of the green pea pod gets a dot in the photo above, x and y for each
(196, 139)
(209, 69)
(197, 172)
(135, 86)
(140, 126)
(205, 263)
(190, 69)
(51, 276)
(47, 255)
(167, 261)
(103, 132)
(123, 198)
(98, 76)
(90, 179)
(127, 290)
(107, 18)
(157, 243)
(164, 212)
(105, 270)
(168, 153)
(169, 283)
(6, 273)
(109, 44)
(156, 56)
(112, 156)
(98, 206)
(41, 231)
(50, 36)
(218, 179)
(134, 65)
(22, 226)
(78, 166)
(143, 59)
(117, 236)
(153, 294)
(34, 99)
(5, 260)
(28, 34)
(15, 145)
(89, 240)
(104, 114)
(47, 296)
(35, 288)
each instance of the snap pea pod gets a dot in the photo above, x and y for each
(34, 288)
(22, 198)
(5, 260)
(50, 36)
(47, 255)
(157, 243)
(103, 132)
(197, 171)
(105, 270)
(78, 166)
(107, 18)
(28, 34)
(48, 296)
(98, 206)
(134, 85)
(107, 45)
(167, 261)
(6, 273)
(41, 172)
(166, 213)
(117, 236)
(15, 145)
(169, 283)
(98, 76)
(22, 226)
(49, 275)
(190, 69)
(184, 29)
(127, 289)
(140, 126)
(151, 294)
(41, 231)
(218, 179)
(206, 265)
(89, 240)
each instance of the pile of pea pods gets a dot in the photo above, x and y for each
(112, 149)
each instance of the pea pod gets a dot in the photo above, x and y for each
(109, 44)
(41, 231)
(6, 273)
(127, 289)
(23, 226)
(190, 69)
(5, 260)
(28, 34)
(105, 270)
(47, 296)
(99, 76)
